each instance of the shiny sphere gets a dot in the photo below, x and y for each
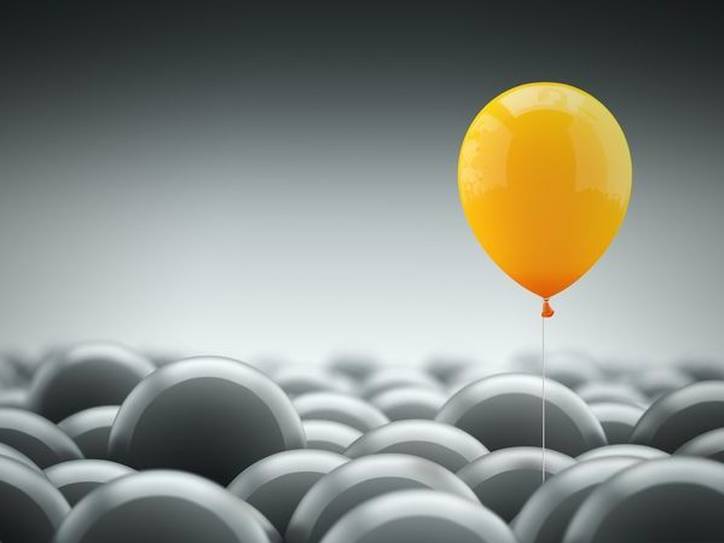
(546, 515)
(440, 443)
(339, 408)
(409, 403)
(618, 420)
(296, 380)
(503, 480)
(641, 452)
(419, 516)
(31, 508)
(327, 435)
(161, 507)
(90, 430)
(505, 411)
(656, 382)
(359, 480)
(208, 415)
(6, 451)
(76, 478)
(276, 484)
(707, 445)
(601, 392)
(676, 500)
(681, 416)
(86, 376)
(36, 437)
(389, 378)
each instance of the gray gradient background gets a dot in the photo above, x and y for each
(249, 182)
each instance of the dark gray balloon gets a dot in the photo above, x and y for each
(419, 516)
(87, 375)
(409, 403)
(36, 437)
(6, 451)
(546, 515)
(634, 451)
(362, 479)
(327, 435)
(31, 508)
(207, 415)
(296, 381)
(707, 445)
(677, 500)
(681, 416)
(505, 411)
(388, 378)
(276, 484)
(503, 480)
(90, 430)
(656, 382)
(599, 392)
(339, 408)
(163, 507)
(618, 420)
(441, 443)
(76, 478)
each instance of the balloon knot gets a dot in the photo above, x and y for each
(547, 311)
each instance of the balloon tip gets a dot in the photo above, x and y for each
(547, 311)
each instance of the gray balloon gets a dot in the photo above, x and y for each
(339, 408)
(355, 367)
(505, 411)
(14, 397)
(164, 507)
(546, 515)
(276, 484)
(207, 415)
(702, 369)
(362, 479)
(634, 451)
(36, 437)
(296, 381)
(419, 516)
(31, 507)
(707, 445)
(503, 480)
(601, 392)
(677, 500)
(87, 375)
(389, 378)
(6, 451)
(571, 368)
(327, 435)
(441, 443)
(76, 478)
(618, 420)
(409, 403)
(90, 430)
(444, 369)
(659, 381)
(681, 416)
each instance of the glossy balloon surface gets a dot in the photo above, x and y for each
(545, 179)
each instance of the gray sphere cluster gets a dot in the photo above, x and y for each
(100, 443)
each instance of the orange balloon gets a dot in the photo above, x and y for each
(545, 180)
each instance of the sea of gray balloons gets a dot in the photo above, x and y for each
(103, 444)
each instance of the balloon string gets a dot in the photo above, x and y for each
(543, 398)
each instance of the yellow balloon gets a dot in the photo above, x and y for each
(545, 180)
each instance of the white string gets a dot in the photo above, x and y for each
(543, 399)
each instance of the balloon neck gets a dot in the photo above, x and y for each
(547, 311)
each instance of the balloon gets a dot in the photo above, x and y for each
(545, 179)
